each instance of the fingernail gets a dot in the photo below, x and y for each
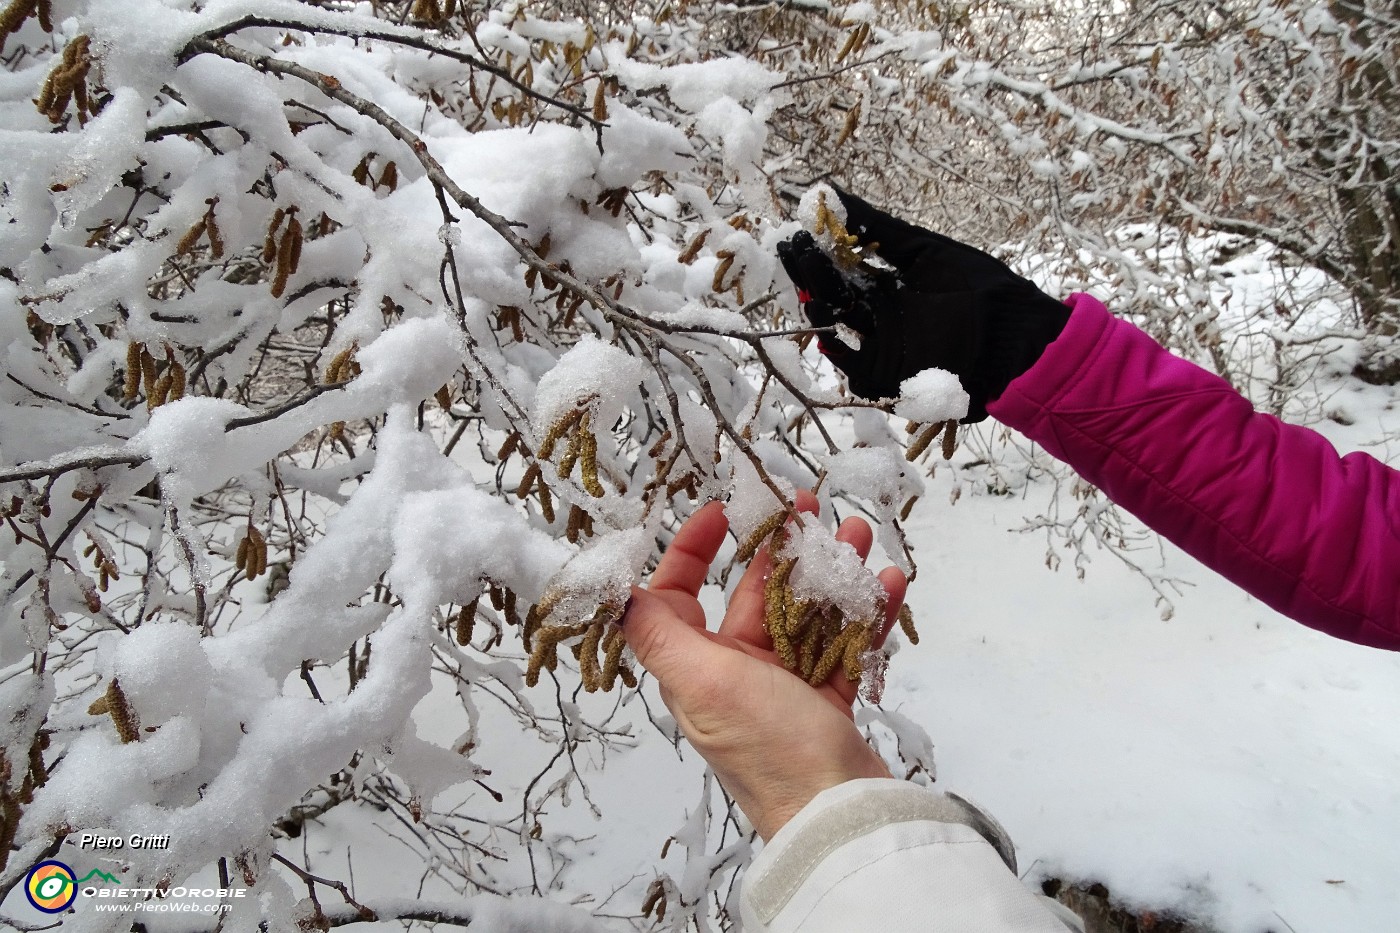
(626, 608)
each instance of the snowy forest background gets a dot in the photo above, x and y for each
(348, 346)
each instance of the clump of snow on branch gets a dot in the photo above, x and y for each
(831, 573)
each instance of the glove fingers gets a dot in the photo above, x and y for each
(788, 253)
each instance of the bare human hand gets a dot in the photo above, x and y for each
(774, 741)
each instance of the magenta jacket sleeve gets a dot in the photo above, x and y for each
(1271, 506)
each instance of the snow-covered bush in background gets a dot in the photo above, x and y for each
(427, 323)
(361, 351)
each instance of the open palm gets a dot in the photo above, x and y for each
(774, 741)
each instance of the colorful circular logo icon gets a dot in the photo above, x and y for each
(51, 887)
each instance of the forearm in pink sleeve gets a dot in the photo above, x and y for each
(1269, 505)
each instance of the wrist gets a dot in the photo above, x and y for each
(772, 808)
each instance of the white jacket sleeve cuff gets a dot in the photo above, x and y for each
(883, 854)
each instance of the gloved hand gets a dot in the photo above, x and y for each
(944, 304)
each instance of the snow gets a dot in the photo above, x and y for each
(932, 396)
(878, 474)
(592, 374)
(829, 572)
(1229, 762)
(750, 500)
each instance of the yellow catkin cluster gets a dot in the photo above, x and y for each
(283, 251)
(252, 554)
(67, 83)
(103, 563)
(342, 368)
(599, 650)
(18, 12)
(844, 243)
(206, 225)
(848, 128)
(160, 386)
(533, 481)
(580, 525)
(581, 449)
(114, 703)
(655, 901)
(811, 640)
(169, 386)
(949, 430)
(854, 42)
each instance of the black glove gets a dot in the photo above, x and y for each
(945, 304)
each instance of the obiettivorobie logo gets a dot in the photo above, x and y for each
(51, 886)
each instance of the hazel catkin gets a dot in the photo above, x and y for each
(588, 463)
(906, 624)
(546, 500)
(190, 238)
(726, 262)
(134, 351)
(211, 227)
(600, 102)
(123, 716)
(465, 621)
(921, 443)
(527, 482)
(613, 645)
(148, 373)
(557, 430)
(692, 249)
(765, 528)
(950, 439)
(832, 655)
(589, 670)
(178, 378)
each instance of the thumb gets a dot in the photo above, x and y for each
(662, 641)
